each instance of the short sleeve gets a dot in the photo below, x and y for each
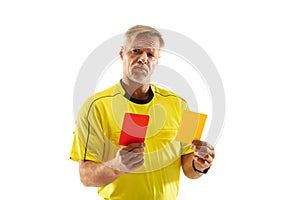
(186, 148)
(88, 135)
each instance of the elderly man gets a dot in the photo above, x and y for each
(142, 170)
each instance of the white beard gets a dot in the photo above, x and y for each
(140, 77)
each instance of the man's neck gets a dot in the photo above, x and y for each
(136, 90)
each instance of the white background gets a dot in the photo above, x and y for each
(255, 46)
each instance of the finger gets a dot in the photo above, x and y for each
(125, 152)
(198, 143)
(201, 164)
(138, 150)
(134, 160)
(204, 152)
(140, 146)
(135, 145)
(126, 156)
(137, 165)
(213, 154)
(207, 158)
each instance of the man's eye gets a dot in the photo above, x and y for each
(136, 51)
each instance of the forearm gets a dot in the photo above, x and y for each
(96, 174)
(186, 162)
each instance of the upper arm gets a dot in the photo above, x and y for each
(88, 139)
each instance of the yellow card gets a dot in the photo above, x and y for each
(191, 126)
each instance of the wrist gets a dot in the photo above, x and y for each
(117, 172)
(199, 171)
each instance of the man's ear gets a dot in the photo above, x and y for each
(121, 53)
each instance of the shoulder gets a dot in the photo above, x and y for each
(102, 96)
(166, 93)
(107, 93)
(169, 100)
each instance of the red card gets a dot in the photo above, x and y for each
(134, 128)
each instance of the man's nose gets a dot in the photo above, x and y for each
(143, 58)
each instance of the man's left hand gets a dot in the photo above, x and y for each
(204, 154)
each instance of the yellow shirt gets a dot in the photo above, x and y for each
(97, 134)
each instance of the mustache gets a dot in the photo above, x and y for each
(142, 66)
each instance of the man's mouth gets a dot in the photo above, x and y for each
(141, 68)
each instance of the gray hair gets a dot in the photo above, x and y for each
(142, 30)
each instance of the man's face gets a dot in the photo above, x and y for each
(140, 57)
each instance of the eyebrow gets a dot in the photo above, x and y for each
(146, 48)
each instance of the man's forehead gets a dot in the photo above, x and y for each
(144, 42)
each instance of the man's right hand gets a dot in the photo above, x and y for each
(128, 158)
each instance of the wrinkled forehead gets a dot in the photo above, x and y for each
(142, 41)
